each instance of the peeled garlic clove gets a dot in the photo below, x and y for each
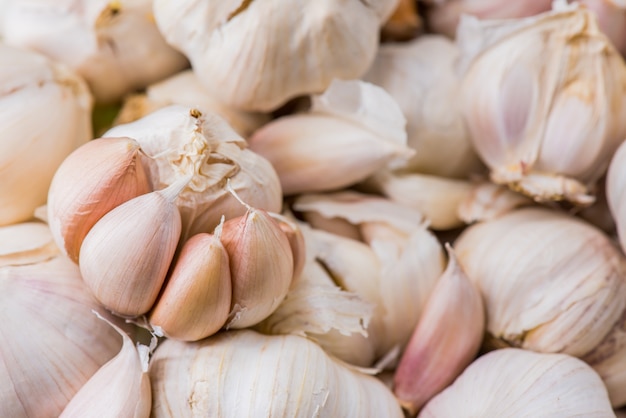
(110, 42)
(511, 383)
(237, 50)
(126, 255)
(34, 86)
(285, 375)
(522, 110)
(261, 266)
(120, 388)
(91, 181)
(487, 201)
(446, 339)
(196, 298)
(26, 243)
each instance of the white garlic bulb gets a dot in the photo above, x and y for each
(421, 76)
(114, 45)
(258, 55)
(510, 383)
(543, 99)
(281, 376)
(33, 86)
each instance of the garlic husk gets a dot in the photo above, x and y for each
(615, 192)
(34, 86)
(119, 389)
(114, 45)
(488, 201)
(261, 266)
(511, 383)
(350, 132)
(26, 243)
(184, 88)
(53, 343)
(94, 179)
(182, 142)
(237, 49)
(125, 257)
(403, 24)
(196, 297)
(286, 376)
(611, 19)
(421, 77)
(522, 110)
(445, 340)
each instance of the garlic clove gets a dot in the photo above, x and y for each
(446, 339)
(611, 19)
(26, 243)
(261, 266)
(91, 181)
(125, 257)
(616, 192)
(120, 388)
(196, 298)
(488, 201)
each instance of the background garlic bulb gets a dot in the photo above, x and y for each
(114, 45)
(517, 383)
(258, 55)
(543, 101)
(35, 87)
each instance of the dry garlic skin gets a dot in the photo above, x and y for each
(45, 113)
(114, 45)
(544, 102)
(256, 55)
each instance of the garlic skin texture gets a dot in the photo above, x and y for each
(285, 376)
(114, 45)
(57, 344)
(518, 383)
(237, 49)
(33, 86)
(545, 120)
(551, 283)
(421, 77)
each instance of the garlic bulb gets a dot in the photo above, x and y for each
(517, 383)
(551, 283)
(52, 342)
(286, 376)
(114, 45)
(546, 120)
(421, 77)
(184, 88)
(238, 49)
(182, 142)
(35, 87)
(351, 131)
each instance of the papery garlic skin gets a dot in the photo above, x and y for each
(32, 86)
(285, 376)
(611, 19)
(238, 51)
(546, 119)
(511, 383)
(26, 243)
(114, 45)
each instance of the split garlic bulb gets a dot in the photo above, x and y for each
(551, 283)
(52, 342)
(544, 101)
(114, 45)
(284, 376)
(510, 383)
(239, 50)
(33, 86)
(421, 77)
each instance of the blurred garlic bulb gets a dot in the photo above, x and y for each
(52, 342)
(33, 86)
(611, 16)
(616, 192)
(114, 44)
(421, 77)
(286, 376)
(182, 142)
(352, 130)
(517, 383)
(544, 101)
(238, 49)
(184, 88)
(551, 283)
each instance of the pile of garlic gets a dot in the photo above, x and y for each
(387, 208)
